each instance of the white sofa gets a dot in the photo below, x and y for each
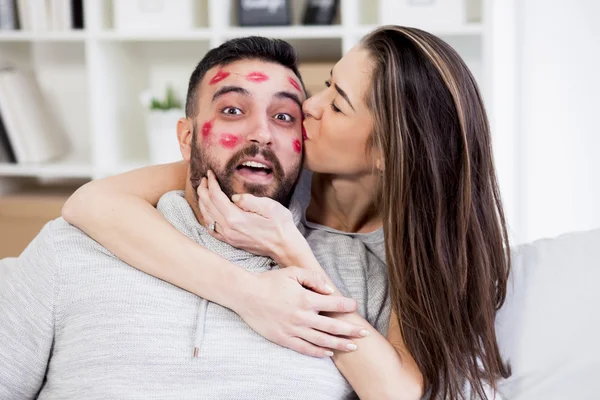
(549, 327)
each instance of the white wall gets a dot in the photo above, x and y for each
(558, 110)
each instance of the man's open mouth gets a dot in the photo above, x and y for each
(255, 170)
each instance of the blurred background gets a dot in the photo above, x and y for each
(92, 88)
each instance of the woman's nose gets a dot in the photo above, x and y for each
(312, 107)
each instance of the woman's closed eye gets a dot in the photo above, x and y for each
(332, 104)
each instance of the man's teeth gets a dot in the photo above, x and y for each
(254, 164)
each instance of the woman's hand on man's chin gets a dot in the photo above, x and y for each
(259, 225)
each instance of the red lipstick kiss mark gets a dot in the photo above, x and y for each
(304, 135)
(297, 146)
(257, 77)
(229, 141)
(206, 129)
(295, 84)
(219, 77)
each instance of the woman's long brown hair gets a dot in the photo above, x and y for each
(447, 246)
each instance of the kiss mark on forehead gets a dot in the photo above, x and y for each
(229, 141)
(206, 129)
(257, 77)
(297, 146)
(219, 77)
(295, 84)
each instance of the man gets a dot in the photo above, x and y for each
(79, 323)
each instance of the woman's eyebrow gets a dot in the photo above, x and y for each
(341, 92)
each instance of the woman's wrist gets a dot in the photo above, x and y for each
(234, 288)
(291, 249)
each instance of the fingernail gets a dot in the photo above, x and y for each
(235, 198)
(329, 353)
(351, 346)
(329, 289)
(209, 173)
(364, 333)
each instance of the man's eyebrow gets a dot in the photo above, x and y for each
(291, 96)
(341, 92)
(229, 89)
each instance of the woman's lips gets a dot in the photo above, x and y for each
(304, 136)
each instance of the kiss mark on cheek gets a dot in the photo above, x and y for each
(297, 146)
(207, 129)
(295, 84)
(257, 77)
(219, 77)
(229, 141)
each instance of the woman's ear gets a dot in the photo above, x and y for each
(185, 133)
(379, 166)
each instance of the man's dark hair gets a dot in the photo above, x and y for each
(247, 48)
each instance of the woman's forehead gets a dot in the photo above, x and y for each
(353, 73)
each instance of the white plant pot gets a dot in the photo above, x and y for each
(150, 15)
(161, 128)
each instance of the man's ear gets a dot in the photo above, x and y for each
(185, 130)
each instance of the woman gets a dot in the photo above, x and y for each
(399, 146)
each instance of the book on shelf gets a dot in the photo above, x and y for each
(7, 155)
(8, 15)
(33, 132)
(50, 15)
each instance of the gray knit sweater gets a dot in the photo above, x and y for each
(78, 323)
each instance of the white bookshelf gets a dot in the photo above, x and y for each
(92, 78)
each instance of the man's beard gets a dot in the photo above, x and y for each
(280, 190)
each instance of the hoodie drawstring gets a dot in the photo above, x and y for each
(200, 322)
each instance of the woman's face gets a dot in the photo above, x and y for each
(338, 122)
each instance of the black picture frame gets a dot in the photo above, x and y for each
(258, 13)
(320, 12)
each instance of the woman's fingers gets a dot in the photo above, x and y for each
(336, 327)
(317, 283)
(208, 218)
(205, 201)
(302, 346)
(312, 280)
(324, 340)
(335, 304)
(219, 200)
(257, 205)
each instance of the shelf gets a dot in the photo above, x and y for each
(67, 168)
(199, 34)
(287, 32)
(48, 36)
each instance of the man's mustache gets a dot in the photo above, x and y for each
(252, 151)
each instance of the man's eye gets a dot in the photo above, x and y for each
(232, 111)
(284, 117)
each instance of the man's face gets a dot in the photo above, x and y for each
(248, 129)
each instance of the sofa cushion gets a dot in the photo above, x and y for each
(549, 327)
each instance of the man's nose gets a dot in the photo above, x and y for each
(260, 132)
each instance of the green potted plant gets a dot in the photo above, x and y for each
(161, 125)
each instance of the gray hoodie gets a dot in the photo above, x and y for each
(77, 322)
